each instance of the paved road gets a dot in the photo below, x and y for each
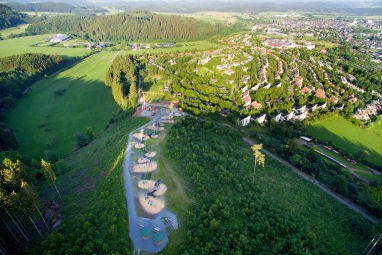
(322, 186)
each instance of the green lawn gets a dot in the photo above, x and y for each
(348, 137)
(13, 30)
(25, 44)
(44, 120)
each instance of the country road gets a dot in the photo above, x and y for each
(322, 186)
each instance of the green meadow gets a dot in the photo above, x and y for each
(13, 30)
(58, 107)
(348, 137)
(25, 44)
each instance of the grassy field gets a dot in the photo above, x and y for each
(331, 221)
(95, 210)
(43, 119)
(13, 30)
(349, 137)
(25, 44)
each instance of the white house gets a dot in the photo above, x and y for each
(59, 38)
(245, 121)
(261, 119)
(278, 118)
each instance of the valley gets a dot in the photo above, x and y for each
(130, 132)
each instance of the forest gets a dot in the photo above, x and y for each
(9, 18)
(42, 7)
(122, 77)
(228, 216)
(139, 26)
(17, 74)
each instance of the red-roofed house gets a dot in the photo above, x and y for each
(256, 105)
(320, 93)
(305, 90)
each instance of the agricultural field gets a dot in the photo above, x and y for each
(58, 107)
(348, 137)
(13, 30)
(25, 44)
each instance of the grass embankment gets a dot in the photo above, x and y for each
(58, 107)
(25, 44)
(334, 228)
(349, 138)
(95, 213)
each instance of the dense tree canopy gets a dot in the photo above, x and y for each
(20, 71)
(121, 27)
(9, 18)
(42, 7)
(228, 215)
(122, 77)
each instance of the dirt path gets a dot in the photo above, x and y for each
(322, 186)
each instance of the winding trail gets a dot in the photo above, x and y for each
(322, 186)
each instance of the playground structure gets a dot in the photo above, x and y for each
(145, 167)
(151, 205)
(150, 223)
(154, 188)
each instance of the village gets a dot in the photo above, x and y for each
(264, 82)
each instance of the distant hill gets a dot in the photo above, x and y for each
(42, 7)
(9, 18)
(142, 26)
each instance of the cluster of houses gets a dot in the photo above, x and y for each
(64, 40)
(350, 85)
(371, 109)
(228, 66)
(297, 114)
(138, 46)
(287, 44)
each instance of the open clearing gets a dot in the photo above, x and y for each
(25, 44)
(13, 30)
(45, 120)
(349, 138)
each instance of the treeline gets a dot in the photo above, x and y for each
(23, 218)
(228, 215)
(17, 73)
(122, 77)
(42, 7)
(9, 18)
(122, 27)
